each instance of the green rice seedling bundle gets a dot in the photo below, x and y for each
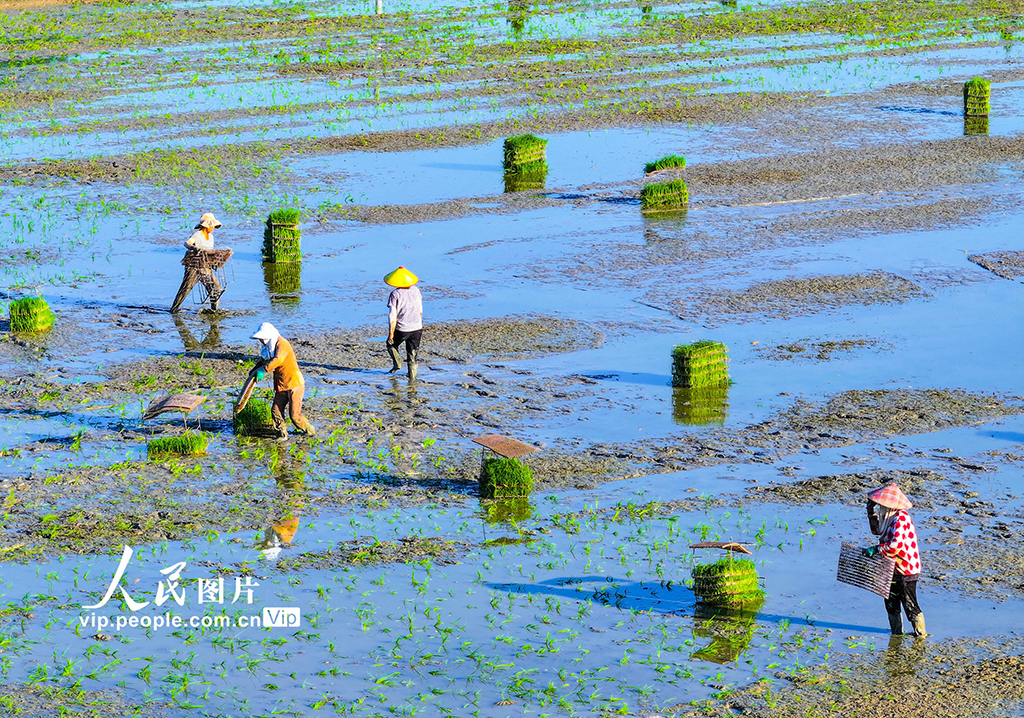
(662, 196)
(976, 97)
(31, 314)
(254, 419)
(975, 125)
(508, 511)
(728, 581)
(188, 444)
(705, 406)
(502, 478)
(699, 365)
(665, 163)
(281, 237)
(523, 151)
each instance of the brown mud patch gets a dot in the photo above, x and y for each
(785, 298)
(909, 679)
(366, 552)
(1008, 264)
(818, 350)
(848, 489)
(64, 698)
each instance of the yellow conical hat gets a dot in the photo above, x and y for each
(401, 277)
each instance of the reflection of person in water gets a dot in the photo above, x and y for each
(278, 535)
(188, 339)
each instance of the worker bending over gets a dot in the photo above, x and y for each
(277, 355)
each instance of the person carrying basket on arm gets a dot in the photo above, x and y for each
(200, 262)
(897, 540)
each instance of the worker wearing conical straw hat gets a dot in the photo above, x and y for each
(897, 539)
(277, 356)
(200, 241)
(405, 318)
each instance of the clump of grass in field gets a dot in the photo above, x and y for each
(187, 444)
(728, 581)
(505, 478)
(701, 364)
(31, 314)
(254, 419)
(976, 97)
(669, 162)
(281, 237)
(663, 196)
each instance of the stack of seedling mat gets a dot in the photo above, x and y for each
(254, 419)
(503, 475)
(188, 444)
(700, 365)
(281, 238)
(525, 163)
(671, 162)
(976, 106)
(664, 196)
(31, 314)
(729, 581)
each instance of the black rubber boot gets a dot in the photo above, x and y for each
(896, 623)
(396, 361)
(413, 366)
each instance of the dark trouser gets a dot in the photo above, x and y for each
(191, 279)
(903, 591)
(410, 339)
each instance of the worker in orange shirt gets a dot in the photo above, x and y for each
(277, 355)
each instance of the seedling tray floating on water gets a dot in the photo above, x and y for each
(727, 582)
(282, 237)
(524, 150)
(664, 196)
(701, 364)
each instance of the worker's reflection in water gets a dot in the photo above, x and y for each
(188, 339)
(289, 470)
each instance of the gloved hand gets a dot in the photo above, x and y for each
(870, 551)
(260, 373)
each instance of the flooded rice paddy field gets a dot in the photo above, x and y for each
(856, 251)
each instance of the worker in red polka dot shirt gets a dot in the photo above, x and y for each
(897, 540)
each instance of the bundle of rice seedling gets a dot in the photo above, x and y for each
(670, 162)
(31, 314)
(662, 196)
(505, 478)
(728, 581)
(283, 281)
(508, 511)
(281, 237)
(254, 419)
(524, 151)
(976, 97)
(699, 365)
(704, 406)
(188, 444)
(975, 125)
